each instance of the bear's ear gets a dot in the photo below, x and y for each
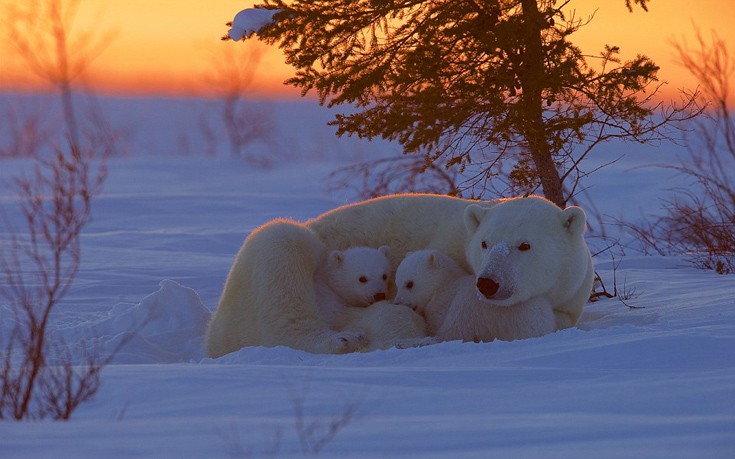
(336, 258)
(385, 250)
(473, 216)
(574, 220)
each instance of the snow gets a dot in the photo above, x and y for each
(248, 21)
(654, 382)
(162, 333)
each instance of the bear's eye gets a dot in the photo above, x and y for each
(363, 279)
(484, 245)
(524, 247)
(385, 277)
(409, 285)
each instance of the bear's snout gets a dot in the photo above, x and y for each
(379, 297)
(487, 287)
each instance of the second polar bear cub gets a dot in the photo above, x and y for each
(425, 283)
(435, 285)
(356, 277)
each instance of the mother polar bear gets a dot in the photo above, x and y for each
(269, 299)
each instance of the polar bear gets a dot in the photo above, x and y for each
(424, 281)
(356, 277)
(430, 281)
(269, 296)
(527, 251)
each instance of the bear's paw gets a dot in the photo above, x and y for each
(345, 342)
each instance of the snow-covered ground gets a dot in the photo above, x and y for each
(654, 382)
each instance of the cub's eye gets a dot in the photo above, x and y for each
(524, 246)
(484, 245)
(385, 277)
(363, 279)
(409, 285)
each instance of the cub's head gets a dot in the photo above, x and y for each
(524, 248)
(359, 275)
(421, 275)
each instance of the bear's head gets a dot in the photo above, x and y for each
(359, 275)
(525, 248)
(420, 275)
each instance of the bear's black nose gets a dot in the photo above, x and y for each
(379, 296)
(487, 287)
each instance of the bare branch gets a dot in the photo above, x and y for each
(699, 220)
(466, 84)
(230, 80)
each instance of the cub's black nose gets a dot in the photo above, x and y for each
(487, 287)
(379, 296)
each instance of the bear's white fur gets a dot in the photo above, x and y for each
(269, 299)
(423, 283)
(351, 288)
(385, 325)
(356, 277)
(431, 282)
(528, 251)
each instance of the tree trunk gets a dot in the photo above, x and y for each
(532, 76)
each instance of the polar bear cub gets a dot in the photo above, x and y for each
(356, 277)
(425, 283)
(434, 284)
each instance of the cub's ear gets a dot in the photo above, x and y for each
(574, 220)
(385, 250)
(473, 216)
(336, 258)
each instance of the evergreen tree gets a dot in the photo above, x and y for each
(472, 83)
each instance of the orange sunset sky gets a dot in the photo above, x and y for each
(168, 47)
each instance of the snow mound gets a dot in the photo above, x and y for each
(248, 22)
(167, 326)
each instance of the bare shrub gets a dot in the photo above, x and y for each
(316, 432)
(487, 178)
(623, 293)
(244, 122)
(41, 32)
(699, 220)
(63, 386)
(238, 450)
(38, 265)
(24, 129)
(403, 174)
(37, 269)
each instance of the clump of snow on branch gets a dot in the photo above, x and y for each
(249, 21)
